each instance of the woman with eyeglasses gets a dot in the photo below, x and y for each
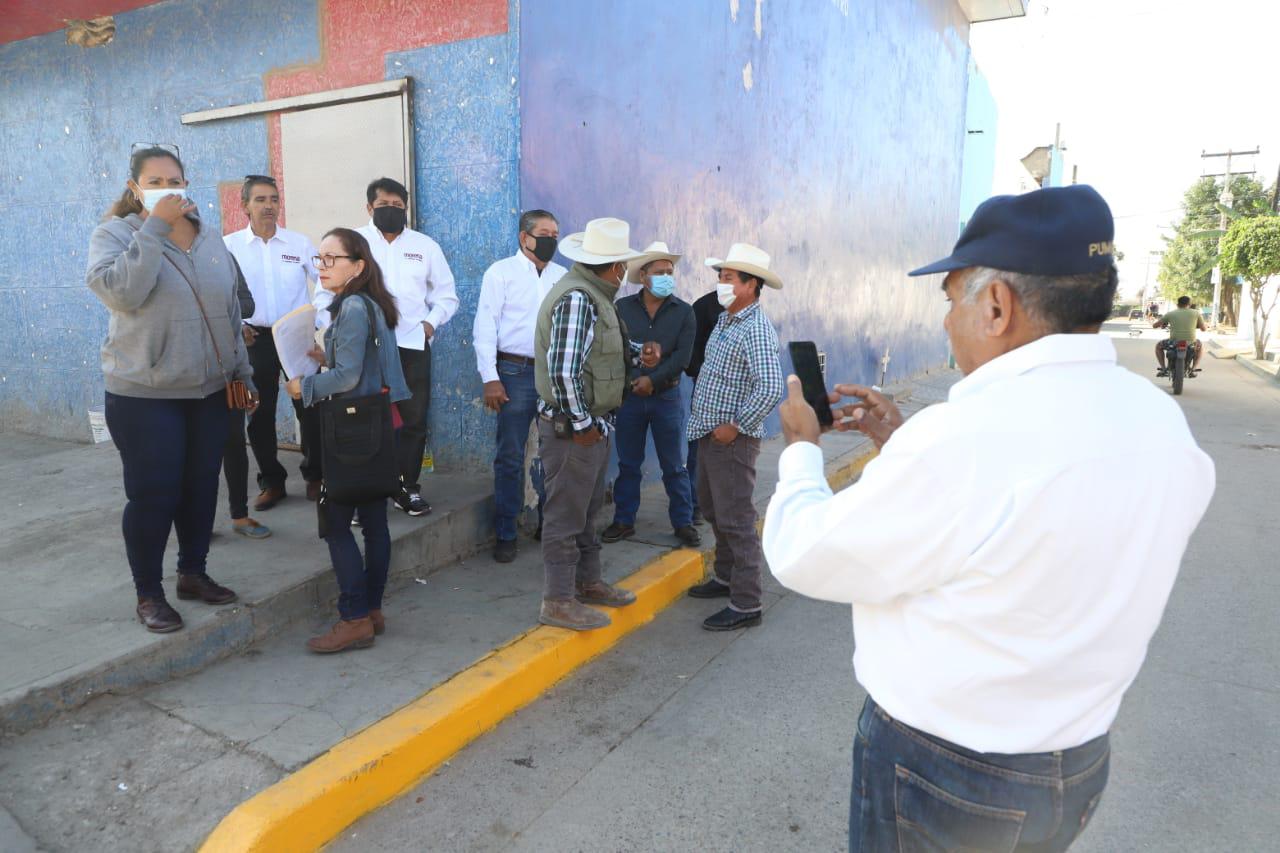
(173, 346)
(360, 365)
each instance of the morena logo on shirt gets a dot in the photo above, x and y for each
(293, 259)
(413, 256)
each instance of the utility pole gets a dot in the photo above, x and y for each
(1226, 199)
(1275, 193)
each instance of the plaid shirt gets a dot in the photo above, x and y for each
(573, 324)
(741, 379)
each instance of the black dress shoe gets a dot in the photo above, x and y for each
(617, 532)
(698, 517)
(731, 620)
(711, 589)
(158, 616)
(504, 550)
(689, 536)
(202, 587)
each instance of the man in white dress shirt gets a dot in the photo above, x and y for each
(276, 264)
(1006, 562)
(506, 316)
(419, 278)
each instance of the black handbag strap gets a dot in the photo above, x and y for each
(369, 305)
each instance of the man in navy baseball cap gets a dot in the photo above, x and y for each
(1006, 564)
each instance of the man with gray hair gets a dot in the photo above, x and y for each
(1006, 563)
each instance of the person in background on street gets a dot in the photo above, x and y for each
(1182, 323)
(418, 277)
(739, 384)
(655, 314)
(582, 354)
(276, 263)
(362, 366)
(1006, 564)
(156, 268)
(235, 454)
(706, 311)
(510, 294)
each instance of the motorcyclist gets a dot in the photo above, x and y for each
(1182, 323)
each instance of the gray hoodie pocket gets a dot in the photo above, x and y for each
(177, 354)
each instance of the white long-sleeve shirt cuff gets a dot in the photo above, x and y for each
(802, 461)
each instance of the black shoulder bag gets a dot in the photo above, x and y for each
(357, 442)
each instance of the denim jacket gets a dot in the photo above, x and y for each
(361, 366)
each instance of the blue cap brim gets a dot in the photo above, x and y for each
(947, 264)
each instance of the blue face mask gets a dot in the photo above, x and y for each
(662, 286)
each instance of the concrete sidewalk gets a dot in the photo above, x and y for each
(160, 767)
(68, 630)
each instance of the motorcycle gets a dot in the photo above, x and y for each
(1179, 358)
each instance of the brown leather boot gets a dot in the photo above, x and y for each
(379, 622)
(346, 634)
(572, 615)
(269, 497)
(158, 616)
(605, 595)
(202, 587)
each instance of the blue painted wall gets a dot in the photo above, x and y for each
(838, 151)
(68, 116)
(979, 144)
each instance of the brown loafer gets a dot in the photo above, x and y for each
(313, 490)
(347, 634)
(269, 497)
(379, 623)
(202, 587)
(158, 616)
(606, 595)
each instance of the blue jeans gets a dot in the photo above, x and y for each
(663, 413)
(915, 792)
(514, 419)
(361, 580)
(171, 451)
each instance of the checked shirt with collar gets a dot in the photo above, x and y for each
(740, 382)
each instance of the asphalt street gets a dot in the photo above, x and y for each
(684, 740)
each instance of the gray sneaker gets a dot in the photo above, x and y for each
(572, 615)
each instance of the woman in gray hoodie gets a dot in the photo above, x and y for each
(173, 342)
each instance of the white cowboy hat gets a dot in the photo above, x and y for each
(746, 258)
(655, 251)
(604, 242)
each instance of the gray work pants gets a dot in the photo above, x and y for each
(574, 485)
(726, 487)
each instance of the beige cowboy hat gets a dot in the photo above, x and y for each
(604, 242)
(655, 251)
(746, 258)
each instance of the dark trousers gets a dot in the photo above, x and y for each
(514, 419)
(412, 440)
(262, 423)
(575, 493)
(691, 465)
(235, 466)
(726, 488)
(171, 451)
(361, 580)
(913, 791)
(663, 415)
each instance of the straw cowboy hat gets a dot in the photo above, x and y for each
(604, 242)
(746, 258)
(655, 251)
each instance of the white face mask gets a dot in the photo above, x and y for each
(151, 197)
(725, 295)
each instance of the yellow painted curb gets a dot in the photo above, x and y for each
(307, 809)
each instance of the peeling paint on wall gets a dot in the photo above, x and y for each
(747, 81)
(733, 10)
(759, 25)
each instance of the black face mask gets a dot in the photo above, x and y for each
(390, 220)
(545, 249)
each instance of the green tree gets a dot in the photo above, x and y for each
(1251, 250)
(1187, 266)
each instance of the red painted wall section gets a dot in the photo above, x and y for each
(355, 38)
(21, 19)
(233, 216)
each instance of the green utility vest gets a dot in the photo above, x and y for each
(604, 373)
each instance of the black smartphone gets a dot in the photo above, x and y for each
(804, 359)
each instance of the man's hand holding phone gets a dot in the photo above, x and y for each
(874, 415)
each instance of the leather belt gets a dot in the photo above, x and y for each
(516, 359)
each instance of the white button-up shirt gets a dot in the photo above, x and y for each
(507, 315)
(276, 271)
(418, 276)
(1009, 553)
